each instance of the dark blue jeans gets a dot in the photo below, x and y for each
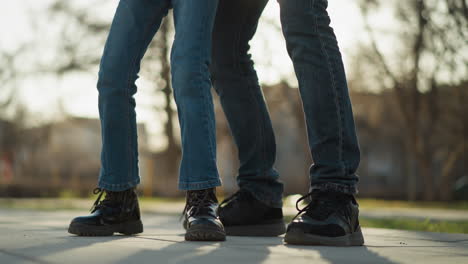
(134, 25)
(317, 61)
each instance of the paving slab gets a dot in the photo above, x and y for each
(31, 236)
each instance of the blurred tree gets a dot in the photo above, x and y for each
(427, 74)
(7, 74)
(12, 113)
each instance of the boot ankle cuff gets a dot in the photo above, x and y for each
(336, 187)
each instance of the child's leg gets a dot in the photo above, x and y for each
(133, 28)
(190, 59)
(134, 25)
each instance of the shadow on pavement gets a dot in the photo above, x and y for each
(65, 243)
(359, 255)
(203, 252)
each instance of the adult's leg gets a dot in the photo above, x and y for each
(236, 82)
(313, 48)
(255, 210)
(133, 28)
(331, 218)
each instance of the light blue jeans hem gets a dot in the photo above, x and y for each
(118, 187)
(191, 186)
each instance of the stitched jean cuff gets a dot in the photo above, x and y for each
(117, 187)
(336, 187)
(190, 186)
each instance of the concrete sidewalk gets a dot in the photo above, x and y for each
(41, 237)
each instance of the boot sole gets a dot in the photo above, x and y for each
(264, 230)
(298, 237)
(205, 234)
(126, 228)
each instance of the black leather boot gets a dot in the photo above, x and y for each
(201, 217)
(119, 212)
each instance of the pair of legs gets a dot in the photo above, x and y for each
(314, 51)
(134, 26)
(331, 218)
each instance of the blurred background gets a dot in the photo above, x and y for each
(406, 64)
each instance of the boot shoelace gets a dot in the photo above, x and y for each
(322, 205)
(198, 200)
(109, 200)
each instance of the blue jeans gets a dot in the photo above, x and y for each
(134, 26)
(313, 48)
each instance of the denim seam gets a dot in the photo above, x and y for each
(236, 50)
(335, 91)
(262, 128)
(260, 137)
(127, 94)
(131, 145)
(262, 131)
(210, 97)
(206, 103)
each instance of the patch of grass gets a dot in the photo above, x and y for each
(417, 225)
(427, 225)
(44, 204)
(376, 203)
